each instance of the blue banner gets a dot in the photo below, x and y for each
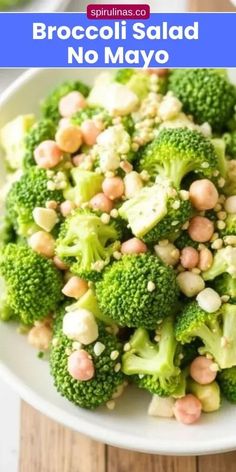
(72, 40)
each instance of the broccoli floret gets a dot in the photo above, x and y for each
(227, 382)
(184, 240)
(12, 139)
(153, 364)
(50, 104)
(124, 75)
(140, 82)
(156, 212)
(85, 184)
(124, 295)
(224, 262)
(6, 312)
(7, 231)
(89, 302)
(205, 94)
(209, 395)
(175, 153)
(222, 164)
(43, 130)
(100, 389)
(33, 283)
(89, 113)
(230, 140)
(210, 328)
(86, 243)
(230, 226)
(29, 192)
(226, 285)
(190, 352)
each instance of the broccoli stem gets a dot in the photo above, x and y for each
(221, 342)
(89, 302)
(147, 358)
(175, 170)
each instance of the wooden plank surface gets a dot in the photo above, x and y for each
(119, 460)
(47, 446)
(217, 463)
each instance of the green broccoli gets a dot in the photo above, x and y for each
(123, 75)
(230, 226)
(29, 192)
(43, 130)
(222, 163)
(89, 302)
(211, 328)
(226, 285)
(153, 364)
(140, 82)
(205, 94)
(86, 243)
(230, 140)
(89, 113)
(227, 382)
(7, 231)
(224, 262)
(137, 291)
(100, 389)
(183, 240)
(156, 212)
(189, 352)
(176, 152)
(51, 103)
(6, 312)
(85, 184)
(12, 139)
(33, 284)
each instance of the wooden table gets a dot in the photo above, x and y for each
(49, 447)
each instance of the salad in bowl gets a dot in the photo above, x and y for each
(118, 238)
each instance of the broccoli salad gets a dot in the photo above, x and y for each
(118, 238)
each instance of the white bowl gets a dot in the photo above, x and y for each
(128, 426)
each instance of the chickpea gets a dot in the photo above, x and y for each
(40, 337)
(133, 246)
(203, 194)
(69, 138)
(47, 155)
(200, 370)
(101, 202)
(89, 132)
(43, 243)
(113, 187)
(80, 365)
(189, 257)
(71, 103)
(205, 259)
(66, 208)
(200, 229)
(187, 410)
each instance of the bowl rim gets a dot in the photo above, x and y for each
(86, 426)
